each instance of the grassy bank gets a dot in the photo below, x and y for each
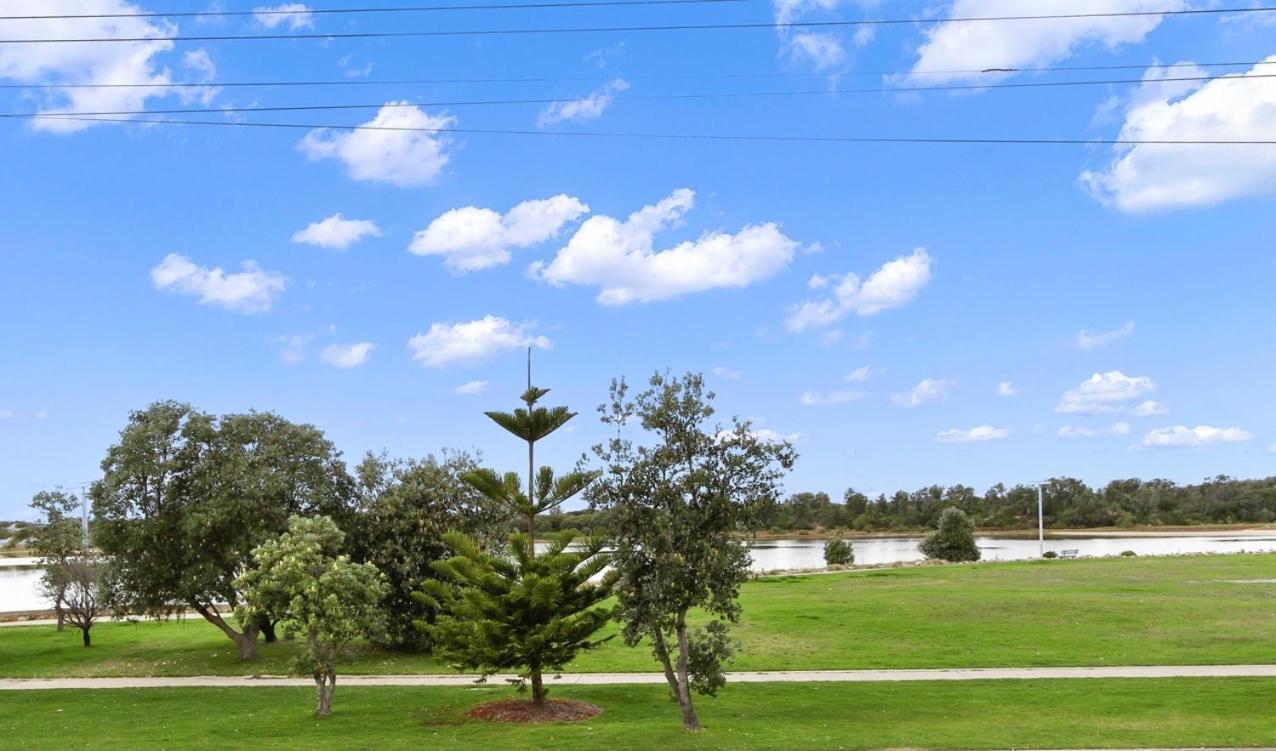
(992, 714)
(1133, 611)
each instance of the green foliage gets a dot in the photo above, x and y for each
(837, 551)
(302, 579)
(1128, 554)
(511, 610)
(676, 508)
(404, 508)
(185, 497)
(58, 541)
(1050, 554)
(954, 540)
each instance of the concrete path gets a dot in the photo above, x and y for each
(598, 679)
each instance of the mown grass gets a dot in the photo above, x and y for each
(975, 715)
(1137, 611)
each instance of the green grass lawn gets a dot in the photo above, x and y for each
(1133, 611)
(977, 715)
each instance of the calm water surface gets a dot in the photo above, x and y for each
(18, 586)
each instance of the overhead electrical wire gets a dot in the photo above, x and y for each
(936, 140)
(656, 28)
(634, 97)
(679, 77)
(270, 12)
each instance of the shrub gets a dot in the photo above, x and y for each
(1049, 554)
(838, 552)
(1128, 554)
(954, 540)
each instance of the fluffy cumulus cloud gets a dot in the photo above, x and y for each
(471, 238)
(294, 16)
(115, 62)
(581, 110)
(1102, 393)
(896, 283)
(471, 342)
(346, 355)
(820, 50)
(973, 47)
(1006, 388)
(252, 290)
(401, 146)
(825, 398)
(1108, 431)
(1162, 176)
(471, 387)
(1094, 340)
(977, 434)
(1149, 408)
(927, 390)
(336, 232)
(1181, 436)
(620, 256)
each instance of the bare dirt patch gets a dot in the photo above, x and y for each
(523, 711)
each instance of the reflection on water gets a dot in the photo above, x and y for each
(18, 586)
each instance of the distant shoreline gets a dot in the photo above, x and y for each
(1031, 533)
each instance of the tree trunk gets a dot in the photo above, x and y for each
(267, 627)
(246, 642)
(61, 615)
(325, 685)
(88, 641)
(689, 719)
(538, 687)
(662, 654)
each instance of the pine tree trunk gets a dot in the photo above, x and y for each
(689, 719)
(538, 687)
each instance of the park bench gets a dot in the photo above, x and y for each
(1068, 553)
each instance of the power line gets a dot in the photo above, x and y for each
(680, 77)
(342, 11)
(663, 27)
(704, 136)
(637, 97)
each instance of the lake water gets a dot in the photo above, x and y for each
(18, 585)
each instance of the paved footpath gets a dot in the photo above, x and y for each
(600, 679)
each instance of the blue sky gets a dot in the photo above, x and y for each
(358, 279)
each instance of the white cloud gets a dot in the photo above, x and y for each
(1110, 431)
(728, 373)
(295, 15)
(581, 110)
(1006, 388)
(821, 399)
(1104, 393)
(346, 355)
(926, 390)
(1087, 340)
(973, 435)
(821, 51)
(1149, 177)
(1025, 44)
(113, 62)
(294, 350)
(896, 283)
(401, 146)
(1201, 435)
(472, 238)
(619, 256)
(766, 435)
(471, 341)
(1149, 408)
(859, 375)
(471, 387)
(249, 291)
(336, 232)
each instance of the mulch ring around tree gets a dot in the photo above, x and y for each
(523, 710)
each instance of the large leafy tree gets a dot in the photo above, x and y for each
(954, 540)
(186, 496)
(404, 509)
(514, 608)
(677, 505)
(303, 578)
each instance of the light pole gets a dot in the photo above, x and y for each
(1041, 521)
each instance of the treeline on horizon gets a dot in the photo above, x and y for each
(1069, 503)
